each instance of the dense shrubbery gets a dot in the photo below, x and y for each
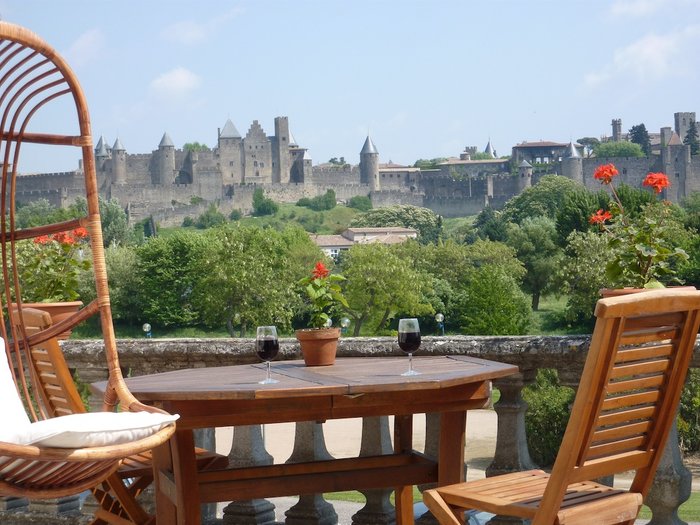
(547, 416)
(360, 202)
(319, 203)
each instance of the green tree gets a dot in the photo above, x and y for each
(195, 147)
(169, 270)
(491, 224)
(263, 205)
(589, 143)
(534, 241)
(379, 285)
(576, 210)
(115, 225)
(639, 135)
(581, 275)
(618, 149)
(691, 139)
(360, 202)
(319, 203)
(429, 164)
(425, 221)
(210, 218)
(40, 212)
(493, 304)
(543, 199)
(249, 279)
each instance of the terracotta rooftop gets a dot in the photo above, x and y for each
(542, 144)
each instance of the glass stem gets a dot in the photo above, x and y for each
(268, 371)
(410, 362)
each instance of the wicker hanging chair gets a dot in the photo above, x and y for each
(36, 83)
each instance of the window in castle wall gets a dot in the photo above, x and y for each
(257, 173)
(624, 171)
(678, 175)
(262, 164)
(230, 163)
(255, 164)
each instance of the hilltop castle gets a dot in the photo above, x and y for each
(170, 184)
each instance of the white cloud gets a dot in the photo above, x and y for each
(191, 32)
(636, 7)
(177, 83)
(86, 48)
(650, 58)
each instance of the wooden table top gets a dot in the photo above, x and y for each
(347, 377)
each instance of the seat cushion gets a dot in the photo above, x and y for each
(91, 429)
(12, 411)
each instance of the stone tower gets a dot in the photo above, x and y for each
(572, 164)
(683, 121)
(257, 155)
(165, 166)
(369, 165)
(101, 154)
(524, 175)
(281, 162)
(617, 129)
(230, 146)
(118, 162)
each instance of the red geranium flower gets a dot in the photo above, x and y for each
(42, 239)
(80, 233)
(658, 181)
(600, 217)
(605, 173)
(320, 271)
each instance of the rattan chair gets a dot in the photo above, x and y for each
(623, 412)
(36, 84)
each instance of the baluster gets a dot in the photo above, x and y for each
(310, 445)
(672, 484)
(512, 454)
(247, 450)
(376, 440)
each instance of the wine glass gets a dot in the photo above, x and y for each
(267, 345)
(409, 341)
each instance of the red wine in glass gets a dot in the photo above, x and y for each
(267, 345)
(409, 341)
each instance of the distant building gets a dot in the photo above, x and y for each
(332, 245)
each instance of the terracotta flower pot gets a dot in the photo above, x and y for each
(318, 345)
(58, 311)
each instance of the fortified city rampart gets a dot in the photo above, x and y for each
(170, 184)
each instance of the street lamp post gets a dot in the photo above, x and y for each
(146, 329)
(344, 324)
(440, 319)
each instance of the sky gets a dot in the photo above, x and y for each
(424, 79)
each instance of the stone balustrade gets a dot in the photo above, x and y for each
(566, 354)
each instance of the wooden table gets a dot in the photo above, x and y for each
(352, 387)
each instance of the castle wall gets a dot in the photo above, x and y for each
(393, 197)
(335, 175)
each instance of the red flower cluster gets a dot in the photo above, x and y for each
(605, 173)
(320, 271)
(69, 238)
(600, 217)
(658, 181)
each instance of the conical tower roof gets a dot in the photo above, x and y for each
(101, 149)
(572, 152)
(229, 131)
(166, 141)
(369, 147)
(489, 150)
(292, 141)
(118, 145)
(525, 164)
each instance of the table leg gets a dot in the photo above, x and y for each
(185, 474)
(451, 452)
(403, 442)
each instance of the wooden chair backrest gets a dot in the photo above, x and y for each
(629, 391)
(54, 388)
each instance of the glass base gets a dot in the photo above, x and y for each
(411, 373)
(268, 381)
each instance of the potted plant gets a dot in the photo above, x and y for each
(49, 268)
(642, 253)
(324, 295)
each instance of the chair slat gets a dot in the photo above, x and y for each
(634, 369)
(640, 383)
(639, 354)
(630, 400)
(621, 432)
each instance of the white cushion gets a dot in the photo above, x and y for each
(91, 429)
(12, 412)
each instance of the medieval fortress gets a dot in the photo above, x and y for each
(170, 184)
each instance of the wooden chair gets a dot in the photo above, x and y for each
(35, 82)
(624, 409)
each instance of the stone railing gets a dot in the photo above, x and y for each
(566, 354)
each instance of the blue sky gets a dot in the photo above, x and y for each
(424, 78)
